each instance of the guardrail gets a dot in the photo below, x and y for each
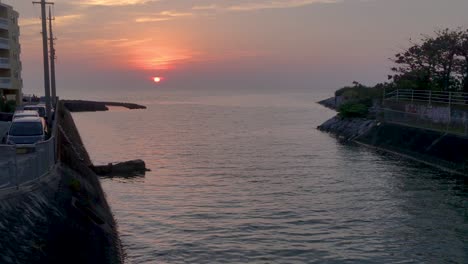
(453, 125)
(430, 97)
(25, 165)
(445, 112)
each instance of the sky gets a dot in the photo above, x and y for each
(277, 45)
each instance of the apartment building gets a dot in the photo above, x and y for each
(11, 83)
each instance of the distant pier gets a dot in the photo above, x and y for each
(94, 106)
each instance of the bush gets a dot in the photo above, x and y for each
(361, 94)
(353, 110)
(7, 107)
(10, 106)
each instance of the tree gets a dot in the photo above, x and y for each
(463, 61)
(434, 63)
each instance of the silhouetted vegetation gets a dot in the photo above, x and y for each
(360, 93)
(7, 106)
(438, 62)
(353, 110)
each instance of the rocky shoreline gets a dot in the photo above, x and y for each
(329, 103)
(347, 129)
(432, 148)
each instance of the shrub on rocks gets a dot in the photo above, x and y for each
(353, 110)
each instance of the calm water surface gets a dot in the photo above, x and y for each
(248, 179)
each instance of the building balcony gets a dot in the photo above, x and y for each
(4, 23)
(5, 83)
(4, 43)
(5, 63)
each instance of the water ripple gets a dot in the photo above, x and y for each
(245, 184)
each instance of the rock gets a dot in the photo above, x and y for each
(126, 169)
(347, 128)
(329, 103)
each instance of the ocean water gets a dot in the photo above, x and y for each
(247, 178)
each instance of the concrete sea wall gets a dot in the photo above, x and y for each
(446, 151)
(434, 148)
(439, 117)
(65, 218)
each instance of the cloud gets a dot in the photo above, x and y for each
(174, 14)
(276, 4)
(163, 16)
(115, 2)
(262, 4)
(59, 20)
(29, 22)
(67, 18)
(140, 53)
(122, 42)
(152, 19)
(205, 7)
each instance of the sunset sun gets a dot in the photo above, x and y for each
(157, 79)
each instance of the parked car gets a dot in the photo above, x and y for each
(27, 130)
(25, 113)
(39, 108)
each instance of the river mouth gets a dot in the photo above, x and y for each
(258, 183)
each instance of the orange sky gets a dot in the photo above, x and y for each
(311, 43)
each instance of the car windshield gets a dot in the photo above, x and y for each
(26, 129)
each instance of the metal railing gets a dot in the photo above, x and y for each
(457, 125)
(433, 110)
(21, 166)
(430, 97)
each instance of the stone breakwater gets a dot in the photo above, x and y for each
(92, 106)
(348, 129)
(442, 150)
(65, 218)
(329, 103)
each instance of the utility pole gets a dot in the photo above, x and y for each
(52, 60)
(45, 53)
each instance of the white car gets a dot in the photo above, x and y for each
(39, 108)
(25, 113)
(27, 130)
